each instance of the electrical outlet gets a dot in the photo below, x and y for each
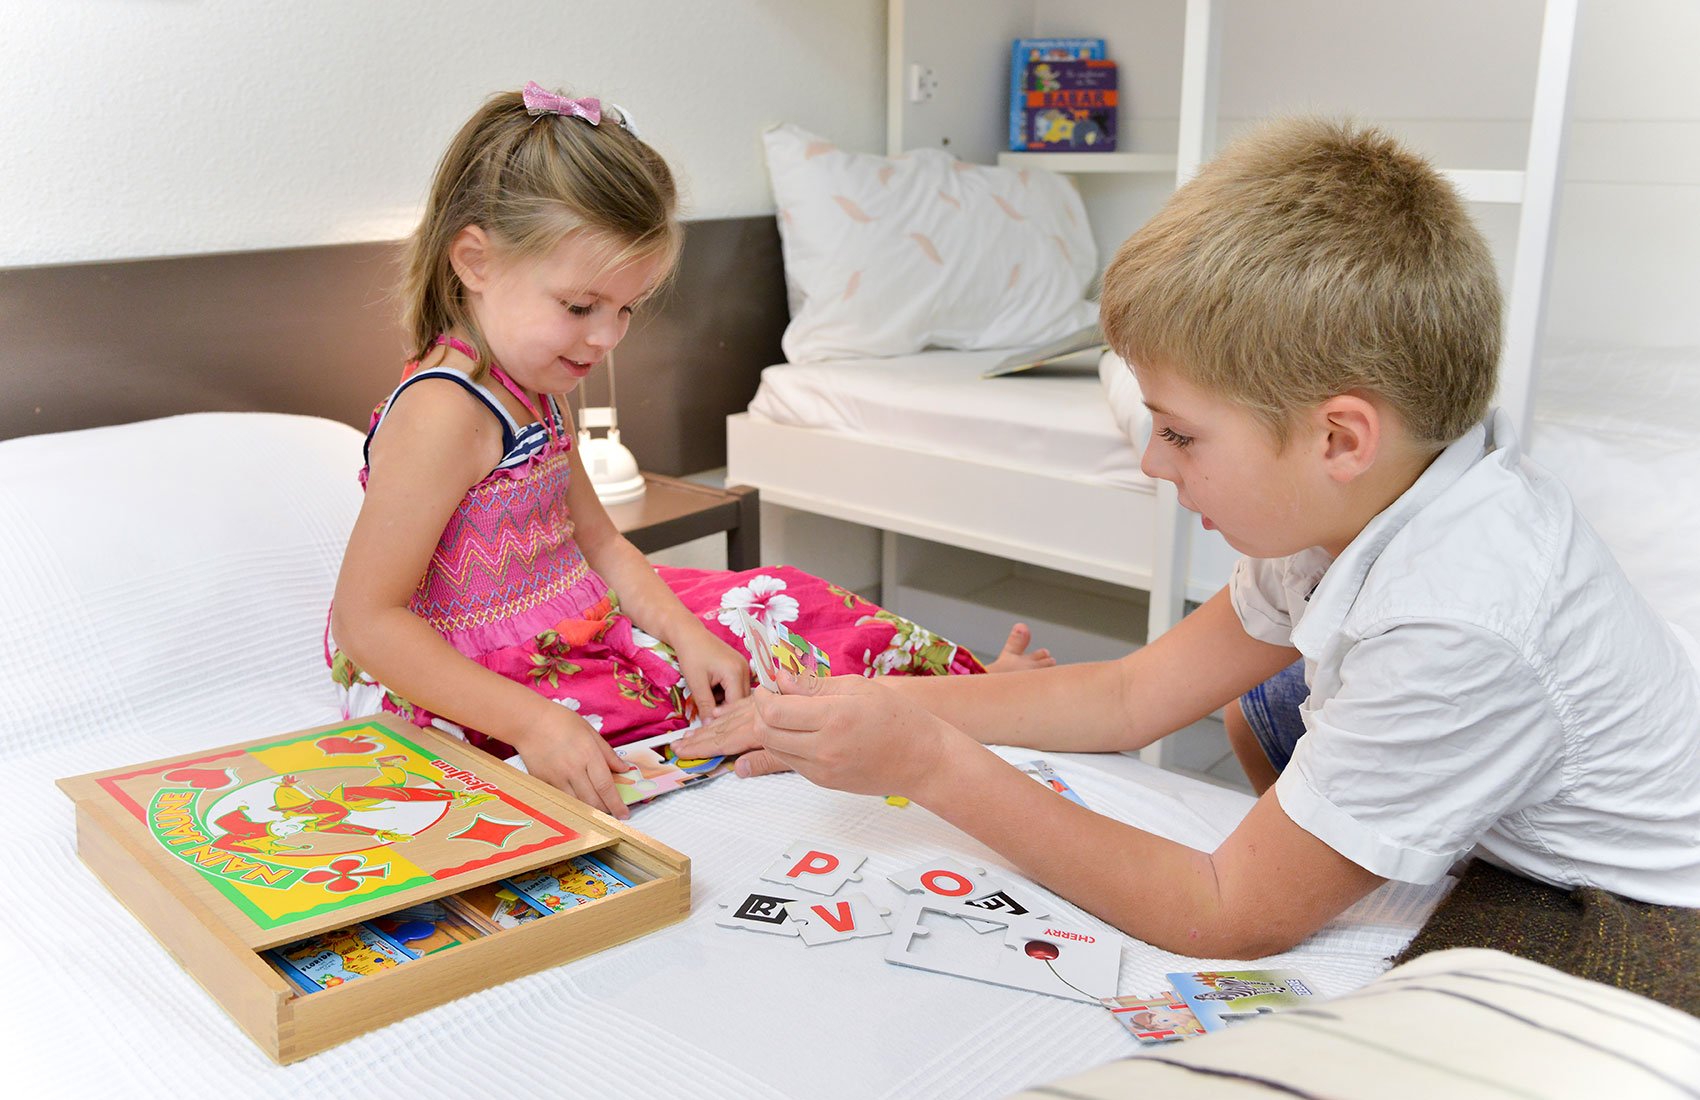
(923, 83)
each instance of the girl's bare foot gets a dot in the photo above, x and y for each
(1015, 657)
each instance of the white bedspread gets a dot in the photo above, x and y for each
(157, 603)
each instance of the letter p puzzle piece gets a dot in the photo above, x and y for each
(815, 868)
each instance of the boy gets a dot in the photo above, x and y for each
(1314, 323)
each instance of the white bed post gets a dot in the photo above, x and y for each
(1171, 547)
(1526, 314)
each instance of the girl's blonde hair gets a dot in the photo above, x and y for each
(1312, 258)
(530, 181)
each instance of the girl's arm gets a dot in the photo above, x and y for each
(436, 443)
(1269, 885)
(705, 661)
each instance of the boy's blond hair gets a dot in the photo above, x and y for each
(528, 182)
(1309, 259)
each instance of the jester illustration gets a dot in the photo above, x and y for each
(307, 809)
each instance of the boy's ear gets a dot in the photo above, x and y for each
(469, 255)
(1351, 429)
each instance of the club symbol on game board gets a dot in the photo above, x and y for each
(343, 875)
(341, 745)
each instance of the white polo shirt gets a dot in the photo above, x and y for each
(1482, 673)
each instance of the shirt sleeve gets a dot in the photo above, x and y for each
(1438, 730)
(1265, 593)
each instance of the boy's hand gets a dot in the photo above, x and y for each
(569, 754)
(706, 662)
(851, 733)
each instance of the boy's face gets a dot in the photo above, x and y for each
(1226, 467)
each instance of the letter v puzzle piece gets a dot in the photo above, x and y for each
(972, 890)
(759, 909)
(816, 868)
(838, 919)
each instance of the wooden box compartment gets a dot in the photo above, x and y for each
(223, 855)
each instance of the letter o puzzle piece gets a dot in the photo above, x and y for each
(816, 868)
(976, 892)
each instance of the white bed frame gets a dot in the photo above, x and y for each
(1139, 538)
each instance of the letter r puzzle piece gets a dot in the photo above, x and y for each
(815, 868)
(838, 919)
(758, 909)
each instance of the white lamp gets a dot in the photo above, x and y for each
(613, 471)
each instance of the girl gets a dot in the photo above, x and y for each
(478, 591)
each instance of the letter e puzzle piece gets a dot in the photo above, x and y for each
(838, 919)
(971, 888)
(759, 909)
(815, 868)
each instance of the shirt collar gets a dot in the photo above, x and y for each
(1334, 595)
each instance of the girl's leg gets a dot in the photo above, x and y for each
(1264, 725)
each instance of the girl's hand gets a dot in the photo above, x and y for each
(853, 734)
(706, 662)
(568, 753)
(732, 732)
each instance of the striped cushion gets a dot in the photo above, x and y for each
(1461, 1023)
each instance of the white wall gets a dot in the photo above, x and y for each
(135, 128)
(1455, 77)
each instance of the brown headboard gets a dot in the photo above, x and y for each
(314, 330)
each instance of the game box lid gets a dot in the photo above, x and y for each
(292, 835)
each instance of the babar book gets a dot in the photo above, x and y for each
(1070, 106)
(1029, 51)
(324, 828)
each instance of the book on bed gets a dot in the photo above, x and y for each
(1079, 350)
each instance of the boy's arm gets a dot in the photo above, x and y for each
(1108, 706)
(1266, 887)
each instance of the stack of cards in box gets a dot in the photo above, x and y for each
(341, 955)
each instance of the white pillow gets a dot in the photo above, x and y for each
(890, 255)
(1127, 404)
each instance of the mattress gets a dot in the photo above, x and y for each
(1056, 421)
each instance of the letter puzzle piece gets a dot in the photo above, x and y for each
(759, 909)
(1063, 959)
(816, 868)
(838, 919)
(973, 890)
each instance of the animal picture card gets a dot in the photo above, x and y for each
(837, 919)
(1223, 998)
(659, 770)
(761, 651)
(426, 928)
(972, 889)
(1163, 1018)
(1061, 958)
(339, 956)
(572, 882)
(759, 909)
(815, 868)
(1044, 773)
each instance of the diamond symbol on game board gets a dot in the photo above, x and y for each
(489, 830)
(343, 875)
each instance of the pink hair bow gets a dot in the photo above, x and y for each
(541, 101)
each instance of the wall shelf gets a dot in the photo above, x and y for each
(1151, 163)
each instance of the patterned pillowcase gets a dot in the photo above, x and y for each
(889, 255)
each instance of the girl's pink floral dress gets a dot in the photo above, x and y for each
(508, 587)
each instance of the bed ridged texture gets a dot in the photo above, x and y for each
(165, 586)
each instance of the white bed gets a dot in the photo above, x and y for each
(159, 602)
(1044, 468)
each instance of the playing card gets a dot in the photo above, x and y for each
(761, 651)
(1222, 998)
(1163, 1018)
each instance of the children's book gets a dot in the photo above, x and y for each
(1028, 51)
(1223, 998)
(1070, 106)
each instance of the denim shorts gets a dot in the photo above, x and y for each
(1272, 710)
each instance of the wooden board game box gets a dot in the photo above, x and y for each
(278, 871)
